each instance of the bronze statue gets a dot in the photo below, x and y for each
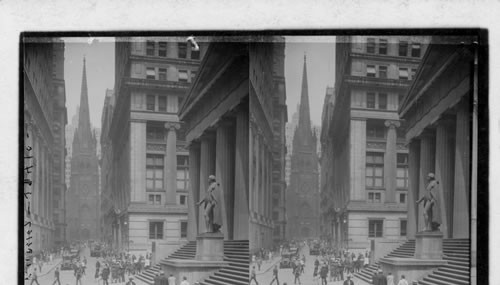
(209, 203)
(429, 202)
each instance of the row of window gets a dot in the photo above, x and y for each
(155, 172)
(160, 49)
(156, 229)
(376, 197)
(375, 129)
(375, 170)
(380, 71)
(376, 228)
(161, 74)
(155, 199)
(380, 47)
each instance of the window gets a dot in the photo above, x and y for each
(370, 100)
(155, 131)
(374, 169)
(150, 73)
(150, 48)
(162, 49)
(193, 75)
(182, 173)
(403, 48)
(370, 71)
(155, 230)
(370, 45)
(154, 171)
(382, 71)
(154, 199)
(375, 228)
(402, 170)
(162, 74)
(415, 50)
(150, 102)
(182, 199)
(402, 198)
(403, 73)
(183, 76)
(382, 46)
(374, 197)
(382, 101)
(162, 103)
(195, 54)
(184, 229)
(374, 129)
(182, 50)
(402, 225)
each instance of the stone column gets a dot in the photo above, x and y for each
(445, 148)
(207, 168)
(462, 170)
(138, 149)
(171, 193)
(390, 163)
(427, 163)
(241, 177)
(413, 190)
(119, 234)
(224, 172)
(194, 190)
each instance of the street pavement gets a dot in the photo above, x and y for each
(67, 277)
(265, 275)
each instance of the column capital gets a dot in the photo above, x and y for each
(392, 124)
(172, 126)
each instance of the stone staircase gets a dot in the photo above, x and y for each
(187, 251)
(236, 252)
(406, 250)
(457, 271)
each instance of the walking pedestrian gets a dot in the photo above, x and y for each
(56, 277)
(402, 281)
(171, 280)
(78, 275)
(130, 281)
(253, 276)
(105, 275)
(34, 277)
(184, 281)
(390, 279)
(275, 275)
(297, 275)
(323, 273)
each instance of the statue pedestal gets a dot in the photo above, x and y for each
(429, 245)
(209, 259)
(428, 256)
(210, 247)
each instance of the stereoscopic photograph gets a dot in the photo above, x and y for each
(274, 158)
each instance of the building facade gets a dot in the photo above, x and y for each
(303, 193)
(268, 116)
(440, 111)
(83, 196)
(365, 154)
(148, 169)
(215, 117)
(326, 166)
(45, 119)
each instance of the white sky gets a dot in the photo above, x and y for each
(100, 57)
(320, 53)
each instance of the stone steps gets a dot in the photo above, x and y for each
(236, 273)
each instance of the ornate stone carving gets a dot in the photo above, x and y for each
(392, 124)
(172, 126)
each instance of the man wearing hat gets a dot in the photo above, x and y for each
(348, 281)
(130, 281)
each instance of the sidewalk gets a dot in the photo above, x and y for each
(266, 265)
(48, 267)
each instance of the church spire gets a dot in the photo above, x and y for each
(83, 116)
(304, 116)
